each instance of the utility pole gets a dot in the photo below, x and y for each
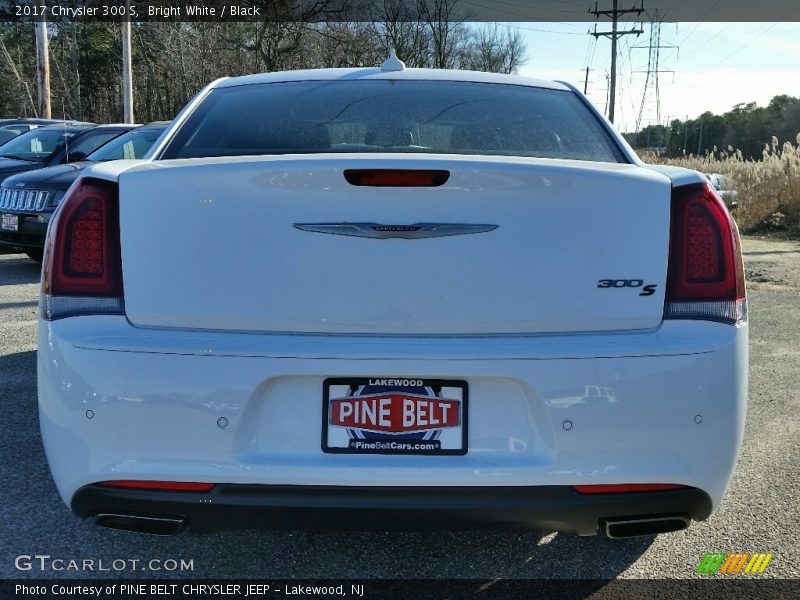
(685, 134)
(43, 69)
(127, 80)
(614, 35)
(586, 82)
(700, 138)
(667, 132)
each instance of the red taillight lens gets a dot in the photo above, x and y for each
(396, 177)
(177, 486)
(82, 272)
(705, 278)
(625, 487)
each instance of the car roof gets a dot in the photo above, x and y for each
(86, 127)
(151, 128)
(68, 127)
(378, 73)
(37, 121)
(116, 126)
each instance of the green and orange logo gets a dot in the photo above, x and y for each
(733, 563)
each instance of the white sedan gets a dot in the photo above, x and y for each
(721, 186)
(392, 297)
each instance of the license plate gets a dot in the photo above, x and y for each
(10, 223)
(394, 415)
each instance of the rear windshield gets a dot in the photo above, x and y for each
(393, 116)
(131, 145)
(93, 140)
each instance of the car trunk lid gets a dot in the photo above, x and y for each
(238, 244)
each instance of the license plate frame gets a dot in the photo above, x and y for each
(10, 222)
(447, 440)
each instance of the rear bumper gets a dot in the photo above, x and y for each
(31, 234)
(663, 406)
(390, 508)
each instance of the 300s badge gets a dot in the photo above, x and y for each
(647, 290)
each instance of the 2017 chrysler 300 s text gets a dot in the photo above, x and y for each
(396, 298)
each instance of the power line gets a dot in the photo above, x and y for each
(710, 10)
(626, 91)
(587, 70)
(740, 48)
(721, 31)
(539, 30)
(788, 17)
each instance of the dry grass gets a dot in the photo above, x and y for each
(769, 189)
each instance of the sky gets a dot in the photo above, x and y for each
(715, 66)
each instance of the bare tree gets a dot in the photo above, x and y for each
(172, 60)
(398, 26)
(494, 49)
(342, 44)
(447, 33)
(23, 83)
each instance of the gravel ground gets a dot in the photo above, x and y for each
(761, 512)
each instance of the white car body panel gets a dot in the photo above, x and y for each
(170, 388)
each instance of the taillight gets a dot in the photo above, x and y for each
(82, 271)
(705, 278)
(396, 177)
(176, 486)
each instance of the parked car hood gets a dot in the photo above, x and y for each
(15, 165)
(59, 177)
(10, 166)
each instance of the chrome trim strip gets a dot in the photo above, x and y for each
(406, 232)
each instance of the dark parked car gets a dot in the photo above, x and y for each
(11, 128)
(54, 145)
(27, 200)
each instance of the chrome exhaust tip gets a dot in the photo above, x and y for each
(638, 526)
(170, 525)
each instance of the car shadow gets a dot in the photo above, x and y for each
(33, 516)
(18, 268)
(431, 554)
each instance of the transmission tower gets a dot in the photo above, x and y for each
(614, 14)
(654, 69)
